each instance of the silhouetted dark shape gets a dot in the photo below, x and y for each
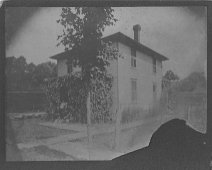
(173, 146)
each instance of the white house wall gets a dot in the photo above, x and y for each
(143, 73)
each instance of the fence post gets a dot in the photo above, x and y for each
(89, 124)
(118, 127)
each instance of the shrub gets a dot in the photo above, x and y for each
(67, 98)
(101, 99)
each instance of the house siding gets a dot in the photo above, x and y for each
(143, 74)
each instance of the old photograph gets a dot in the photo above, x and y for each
(98, 83)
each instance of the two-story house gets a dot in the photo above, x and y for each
(137, 74)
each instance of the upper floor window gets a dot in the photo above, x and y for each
(133, 57)
(154, 65)
(134, 90)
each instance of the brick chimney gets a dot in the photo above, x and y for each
(137, 29)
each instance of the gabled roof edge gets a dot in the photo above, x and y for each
(123, 39)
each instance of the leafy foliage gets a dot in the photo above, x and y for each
(182, 94)
(168, 78)
(15, 71)
(101, 98)
(67, 97)
(23, 76)
(170, 75)
(44, 71)
(82, 33)
(194, 82)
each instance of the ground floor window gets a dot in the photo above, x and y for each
(154, 91)
(134, 90)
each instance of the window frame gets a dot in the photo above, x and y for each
(154, 89)
(154, 65)
(134, 87)
(133, 58)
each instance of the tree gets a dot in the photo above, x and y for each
(42, 72)
(82, 33)
(168, 78)
(15, 72)
(23, 76)
(29, 73)
(194, 82)
(171, 76)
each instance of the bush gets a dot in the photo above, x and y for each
(67, 98)
(101, 99)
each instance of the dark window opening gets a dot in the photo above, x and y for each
(134, 89)
(154, 65)
(133, 57)
(154, 91)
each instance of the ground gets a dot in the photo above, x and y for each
(29, 130)
(39, 140)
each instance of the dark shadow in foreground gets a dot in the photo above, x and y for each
(174, 146)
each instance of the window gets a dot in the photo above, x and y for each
(154, 90)
(133, 57)
(154, 65)
(134, 89)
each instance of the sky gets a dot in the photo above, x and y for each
(179, 33)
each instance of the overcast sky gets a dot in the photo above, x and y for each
(179, 33)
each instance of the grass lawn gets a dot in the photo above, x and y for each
(139, 135)
(29, 130)
(43, 153)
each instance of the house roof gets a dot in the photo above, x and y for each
(62, 55)
(120, 37)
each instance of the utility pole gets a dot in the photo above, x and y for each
(118, 127)
(89, 125)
